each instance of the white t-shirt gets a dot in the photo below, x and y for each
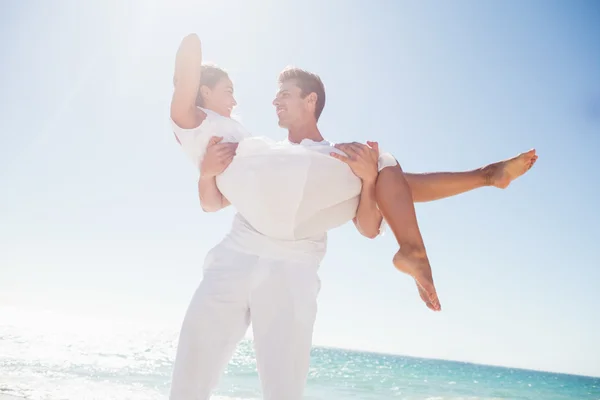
(285, 191)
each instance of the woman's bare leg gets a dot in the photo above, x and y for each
(439, 185)
(395, 201)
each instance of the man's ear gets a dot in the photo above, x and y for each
(312, 98)
(204, 90)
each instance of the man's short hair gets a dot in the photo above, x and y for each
(308, 83)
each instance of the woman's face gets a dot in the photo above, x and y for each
(220, 98)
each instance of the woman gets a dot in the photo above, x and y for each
(274, 197)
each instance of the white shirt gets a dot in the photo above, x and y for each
(289, 193)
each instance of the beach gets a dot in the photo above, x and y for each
(53, 357)
(138, 365)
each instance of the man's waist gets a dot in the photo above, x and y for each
(243, 237)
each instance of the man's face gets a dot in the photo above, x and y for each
(290, 107)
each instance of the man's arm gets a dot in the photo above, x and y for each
(211, 198)
(217, 158)
(188, 64)
(368, 217)
(439, 185)
(363, 159)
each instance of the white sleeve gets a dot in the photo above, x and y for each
(386, 160)
(193, 141)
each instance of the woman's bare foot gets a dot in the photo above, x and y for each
(502, 173)
(416, 264)
(425, 298)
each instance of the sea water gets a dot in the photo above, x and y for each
(64, 359)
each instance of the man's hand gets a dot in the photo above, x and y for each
(362, 159)
(217, 158)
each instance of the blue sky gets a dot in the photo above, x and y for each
(99, 208)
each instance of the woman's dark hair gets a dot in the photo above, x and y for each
(210, 76)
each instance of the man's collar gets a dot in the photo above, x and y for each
(309, 142)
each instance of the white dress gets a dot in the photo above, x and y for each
(284, 190)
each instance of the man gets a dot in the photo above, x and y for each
(272, 283)
(288, 301)
(248, 277)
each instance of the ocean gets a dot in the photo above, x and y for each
(61, 358)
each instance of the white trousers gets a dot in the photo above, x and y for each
(279, 298)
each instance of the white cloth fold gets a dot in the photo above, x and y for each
(285, 191)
